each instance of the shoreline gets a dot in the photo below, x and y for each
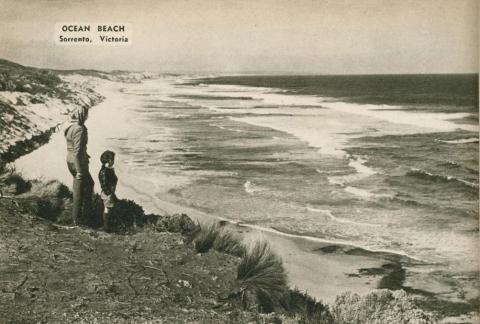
(321, 268)
(26, 146)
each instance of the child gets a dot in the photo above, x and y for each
(108, 182)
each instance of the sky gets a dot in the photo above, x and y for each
(252, 36)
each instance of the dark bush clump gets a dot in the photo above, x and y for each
(125, 215)
(300, 304)
(45, 208)
(14, 184)
(378, 307)
(94, 218)
(178, 223)
(48, 200)
(151, 220)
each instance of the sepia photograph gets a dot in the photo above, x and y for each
(249, 161)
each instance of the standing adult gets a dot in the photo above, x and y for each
(76, 135)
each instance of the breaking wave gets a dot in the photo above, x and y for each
(251, 189)
(461, 141)
(425, 175)
(337, 219)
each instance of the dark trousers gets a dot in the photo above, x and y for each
(82, 195)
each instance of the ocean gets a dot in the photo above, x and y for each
(381, 162)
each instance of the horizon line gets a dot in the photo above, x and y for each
(233, 73)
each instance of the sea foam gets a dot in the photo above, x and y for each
(338, 219)
(251, 188)
(461, 141)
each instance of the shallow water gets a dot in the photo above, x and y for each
(383, 179)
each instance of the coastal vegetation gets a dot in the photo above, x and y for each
(261, 274)
(205, 238)
(16, 77)
(217, 237)
(377, 307)
(228, 242)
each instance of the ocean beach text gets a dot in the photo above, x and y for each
(96, 34)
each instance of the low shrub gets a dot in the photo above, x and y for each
(95, 215)
(177, 223)
(43, 208)
(52, 188)
(261, 275)
(151, 221)
(14, 184)
(307, 309)
(125, 214)
(48, 200)
(378, 307)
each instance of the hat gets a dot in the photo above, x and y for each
(79, 115)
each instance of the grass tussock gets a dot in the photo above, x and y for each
(261, 275)
(213, 236)
(227, 242)
(191, 235)
(205, 238)
(378, 307)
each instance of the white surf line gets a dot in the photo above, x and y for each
(329, 171)
(227, 129)
(444, 177)
(320, 240)
(362, 171)
(364, 193)
(428, 120)
(460, 141)
(337, 219)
